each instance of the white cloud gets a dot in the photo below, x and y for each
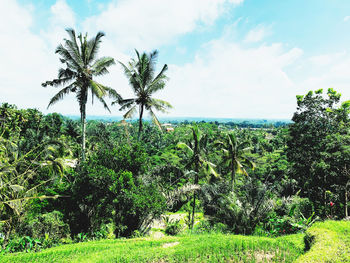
(237, 2)
(23, 56)
(326, 59)
(328, 70)
(61, 17)
(226, 78)
(229, 80)
(62, 14)
(347, 18)
(257, 34)
(28, 59)
(135, 23)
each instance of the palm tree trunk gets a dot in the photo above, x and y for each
(193, 209)
(346, 199)
(196, 179)
(83, 131)
(233, 175)
(140, 121)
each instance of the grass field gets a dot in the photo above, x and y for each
(330, 242)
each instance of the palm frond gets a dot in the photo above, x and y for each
(113, 94)
(59, 96)
(73, 50)
(104, 103)
(57, 82)
(126, 104)
(67, 57)
(148, 65)
(158, 82)
(160, 105)
(209, 168)
(100, 66)
(130, 113)
(132, 77)
(155, 120)
(97, 89)
(93, 46)
(196, 135)
(240, 168)
(249, 163)
(185, 147)
(65, 73)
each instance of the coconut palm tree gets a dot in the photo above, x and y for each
(79, 55)
(196, 149)
(18, 180)
(235, 156)
(144, 82)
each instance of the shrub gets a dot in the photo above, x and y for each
(294, 206)
(240, 213)
(25, 243)
(172, 226)
(288, 216)
(136, 204)
(47, 226)
(108, 188)
(206, 226)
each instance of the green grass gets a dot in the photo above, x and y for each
(190, 248)
(330, 242)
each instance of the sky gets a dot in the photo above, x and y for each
(226, 58)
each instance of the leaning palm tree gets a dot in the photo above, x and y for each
(235, 156)
(79, 57)
(196, 149)
(144, 82)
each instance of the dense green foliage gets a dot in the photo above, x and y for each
(318, 150)
(267, 182)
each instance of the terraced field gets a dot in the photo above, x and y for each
(329, 241)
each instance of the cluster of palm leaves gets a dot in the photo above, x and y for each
(234, 156)
(18, 177)
(79, 55)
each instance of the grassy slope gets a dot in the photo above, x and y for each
(330, 242)
(192, 248)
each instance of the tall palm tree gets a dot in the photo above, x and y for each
(235, 156)
(79, 57)
(197, 151)
(144, 82)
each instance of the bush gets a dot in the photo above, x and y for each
(136, 204)
(206, 226)
(240, 213)
(288, 217)
(47, 226)
(25, 243)
(172, 226)
(109, 188)
(294, 206)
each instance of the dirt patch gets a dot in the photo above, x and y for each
(262, 256)
(157, 234)
(166, 245)
(160, 224)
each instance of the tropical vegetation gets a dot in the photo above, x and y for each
(201, 191)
